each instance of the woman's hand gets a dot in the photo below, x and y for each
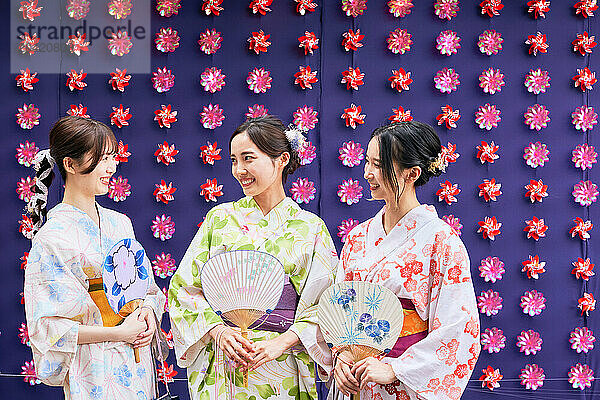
(131, 328)
(233, 344)
(345, 381)
(268, 350)
(372, 370)
(147, 316)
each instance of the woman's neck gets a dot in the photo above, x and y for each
(395, 212)
(82, 201)
(268, 199)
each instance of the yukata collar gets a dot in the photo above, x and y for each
(284, 210)
(415, 218)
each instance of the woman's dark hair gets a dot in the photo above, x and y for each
(268, 134)
(407, 144)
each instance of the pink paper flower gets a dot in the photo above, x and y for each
(163, 80)
(349, 191)
(581, 228)
(537, 81)
(491, 7)
(529, 342)
(26, 153)
(211, 190)
(78, 9)
(345, 227)
(446, 80)
(487, 117)
(489, 302)
(489, 228)
(212, 7)
(532, 377)
(303, 190)
(28, 43)
(167, 40)
(352, 40)
(351, 154)
(75, 80)
(491, 378)
(399, 115)
(490, 42)
(585, 193)
(536, 190)
(260, 6)
(491, 80)
(491, 269)
(493, 340)
(454, 223)
(26, 226)
(166, 153)
(535, 228)
(581, 376)
(120, 9)
(163, 227)
(259, 80)
(309, 42)
(212, 79)
(212, 116)
(585, 79)
(305, 77)
(448, 116)
(533, 303)
(582, 340)
(533, 267)
(586, 8)
(446, 9)
(30, 9)
(536, 154)
(163, 265)
(26, 80)
(537, 43)
(77, 43)
(399, 41)
(487, 152)
(307, 153)
(353, 78)
(305, 5)
(448, 42)
(354, 8)
(28, 116)
(168, 8)
(587, 303)
(120, 43)
(353, 116)
(164, 192)
(122, 153)
(24, 188)
(120, 117)
(584, 269)
(165, 117)
(400, 8)
(118, 79)
(584, 43)
(119, 189)
(78, 111)
(448, 192)
(210, 153)
(400, 80)
(538, 8)
(305, 118)
(259, 42)
(256, 111)
(490, 190)
(584, 118)
(24, 335)
(210, 41)
(28, 371)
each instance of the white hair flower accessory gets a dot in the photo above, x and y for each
(295, 137)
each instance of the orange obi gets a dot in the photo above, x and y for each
(96, 291)
(414, 329)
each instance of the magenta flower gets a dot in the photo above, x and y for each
(256, 111)
(163, 265)
(582, 340)
(24, 335)
(533, 303)
(163, 80)
(584, 118)
(490, 42)
(448, 42)
(345, 227)
(163, 227)
(537, 81)
(584, 156)
(28, 116)
(400, 8)
(493, 340)
(212, 79)
(78, 9)
(167, 40)
(120, 43)
(354, 8)
(120, 9)
(212, 116)
(259, 80)
(446, 80)
(491, 80)
(454, 223)
(307, 152)
(491, 269)
(532, 376)
(581, 376)
(487, 117)
(305, 118)
(529, 342)
(210, 41)
(536, 154)
(399, 41)
(585, 193)
(28, 371)
(349, 191)
(489, 302)
(25, 188)
(303, 190)
(168, 8)
(351, 154)
(119, 189)
(446, 9)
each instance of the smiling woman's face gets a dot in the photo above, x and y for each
(380, 189)
(96, 182)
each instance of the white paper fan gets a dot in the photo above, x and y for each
(363, 317)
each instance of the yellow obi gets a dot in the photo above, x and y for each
(96, 291)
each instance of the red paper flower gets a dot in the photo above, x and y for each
(26, 226)
(490, 42)
(585, 79)
(260, 6)
(448, 116)
(352, 40)
(210, 153)
(28, 43)
(584, 43)
(581, 228)
(489, 228)
(584, 269)
(353, 116)
(212, 79)
(399, 41)
(168, 8)
(305, 5)
(119, 189)
(30, 9)
(259, 80)
(78, 111)
(537, 43)
(77, 44)
(536, 190)
(122, 153)
(163, 80)
(119, 44)
(448, 155)
(353, 78)
(75, 80)
(212, 116)
(354, 8)
(210, 41)
(400, 8)
(448, 192)
(212, 7)
(538, 8)
(446, 9)
(256, 111)
(119, 79)
(455, 224)
(535, 228)
(166, 371)
(26, 80)
(166, 153)
(211, 190)
(400, 80)
(537, 117)
(164, 192)
(120, 116)
(489, 189)
(309, 42)
(165, 117)
(491, 7)
(491, 378)
(259, 42)
(587, 303)
(167, 40)
(399, 115)
(533, 267)
(120, 9)
(78, 9)
(28, 116)
(305, 118)
(487, 152)
(586, 8)
(305, 77)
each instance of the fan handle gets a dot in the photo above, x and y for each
(124, 312)
(244, 333)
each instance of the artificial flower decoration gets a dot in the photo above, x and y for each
(26, 153)
(78, 111)
(164, 192)
(446, 80)
(581, 376)
(119, 79)
(305, 5)
(211, 190)
(75, 80)
(532, 376)
(28, 116)
(581, 228)
(212, 7)
(586, 8)
(537, 117)
(536, 190)
(165, 116)
(120, 9)
(119, 189)
(487, 117)
(584, 156)
(24, 334)
(537, 81)
(78, 9)
(259, 80)
(585, 193)
(584, 43)
(490, 190)
(448, 116)
(28, 371)
(491, 7)
(400, 115)
(210, 153)
(212, 116)
(351, 154)
(353, 117)
(309, 42)
(30, 9)
(354, 8)
(163, 227)
(487, 152)
(446, 9)
(489, 228)
(345, 227)
(163, 265)
(533, 267)
(582, 340)
(26, 226)
(529, 342)
(536, 154)
(212, 79)
(303, 190)
(491, 80)
(307, 153)
(120, 116)
(77, 43)
(533, 303)
(535, 228)
(256, 111)
(493, 340)
(349, 191)
(448, 43)
(491, 269)
(259, 42)
(166, 153)
(25, 188)
(163, 80)
(454, 223)
(490, 42)
(305, 77)
(538, 8)
(122, 153)
(352, 40)
(400, 8)
(584, 118)
(489, 302)
(305, 118)
(167, 40)
(210, 41)
(399, 41)
(448, 192)
(585, 79)
(491, 378)
(537, 43)
(28, 43)
(166, 373)
(587, 303)
(353, 78)
(26, 79)
(120, 43)
(168, 8)
(23, 259)
(260, 6)
(584, 269)
(400, 80)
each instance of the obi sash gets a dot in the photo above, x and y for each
(96, 291)
(414, 329)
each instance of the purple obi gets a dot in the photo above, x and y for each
(414, 330)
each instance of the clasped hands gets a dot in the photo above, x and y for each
(350, 377)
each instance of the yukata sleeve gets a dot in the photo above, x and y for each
(52, 307)
(439, 366)
(191, 316)
(318, 276)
